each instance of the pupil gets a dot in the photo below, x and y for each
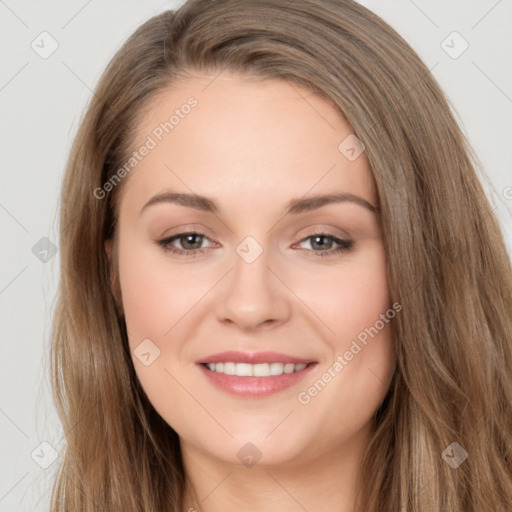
(188, 239)
(320, 238)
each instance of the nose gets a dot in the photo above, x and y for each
(253, 295)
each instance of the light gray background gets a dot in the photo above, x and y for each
(41, 104)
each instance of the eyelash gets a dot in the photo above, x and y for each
(345, 245)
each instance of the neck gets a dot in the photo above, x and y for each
(325, 482)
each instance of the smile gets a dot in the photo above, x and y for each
(255, 370)
(246, 380)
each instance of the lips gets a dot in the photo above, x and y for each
(248, 384)
(253, 358)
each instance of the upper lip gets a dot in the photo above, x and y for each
(252, 358)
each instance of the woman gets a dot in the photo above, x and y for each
(256, 368)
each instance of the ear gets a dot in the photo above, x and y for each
(115, 287)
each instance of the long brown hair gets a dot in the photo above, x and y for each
(447, 263)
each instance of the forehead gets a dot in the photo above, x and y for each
(245, 137)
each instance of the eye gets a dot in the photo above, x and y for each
(191, 244)
(318, 240)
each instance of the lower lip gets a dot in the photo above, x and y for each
(255, 386)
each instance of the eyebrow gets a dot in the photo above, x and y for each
(293, 207)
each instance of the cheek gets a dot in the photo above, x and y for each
(156, 293)
(156, 296)
(353, 303)
(349, 297)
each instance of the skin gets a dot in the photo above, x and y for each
(252, 146)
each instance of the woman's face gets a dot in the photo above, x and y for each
(261, 276)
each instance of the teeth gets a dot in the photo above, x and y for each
(229, 368)
(243, 369)
(261, 370)
(255, 370)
